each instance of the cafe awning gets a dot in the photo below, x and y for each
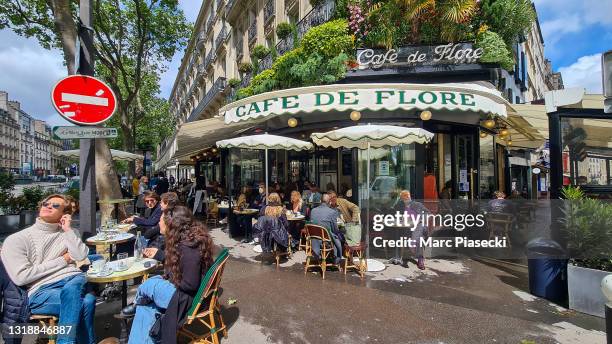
(195, 136)
(116, 154)
(372, 96)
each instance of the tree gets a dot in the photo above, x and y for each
(133, 38)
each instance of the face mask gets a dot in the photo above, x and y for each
(261, 190)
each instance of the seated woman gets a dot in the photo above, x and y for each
(151, 200)
(297, 205)
(272, 226)
(155, 238)
(188, 257)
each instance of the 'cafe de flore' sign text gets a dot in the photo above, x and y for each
(365, 96)
(414, 56)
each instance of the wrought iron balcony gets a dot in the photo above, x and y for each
(220, 4)
(219, 86)
(253, 31)
(269, 11)
(265, 63)
(316, 16)
(221, 37)
(209, 23)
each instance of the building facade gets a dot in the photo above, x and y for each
(27, 145)
(9, 137)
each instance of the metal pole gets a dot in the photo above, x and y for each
(368, 203)
(608, 317)
(87, 158)
(266, 175)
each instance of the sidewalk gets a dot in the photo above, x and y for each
(462, 301)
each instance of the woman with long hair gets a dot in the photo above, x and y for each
(272, 225)
(188, 256)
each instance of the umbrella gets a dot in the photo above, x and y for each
(116, 154)
(366, 137)
(265, 142)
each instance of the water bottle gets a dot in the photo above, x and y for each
(138, 247)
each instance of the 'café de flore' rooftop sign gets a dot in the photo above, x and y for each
(347, 97)
(414, 56)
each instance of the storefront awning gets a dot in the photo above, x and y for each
(195, 136)
(373, 96)
(116, 154)
(528, 125)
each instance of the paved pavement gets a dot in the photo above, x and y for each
(458, 301)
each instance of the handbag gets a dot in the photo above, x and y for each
(353, 233)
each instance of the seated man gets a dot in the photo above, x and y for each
(151, 200)
(349, 211)
(155, 238)
(327, 217)
(42, 258)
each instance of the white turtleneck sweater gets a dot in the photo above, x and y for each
(33, 256)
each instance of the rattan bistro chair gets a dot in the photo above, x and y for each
(207, 296)
(314, 232)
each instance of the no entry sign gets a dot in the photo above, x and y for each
(83, 99)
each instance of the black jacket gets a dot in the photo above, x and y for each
(15, 304)
(192, 271)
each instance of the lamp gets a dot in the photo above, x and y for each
(355, 116)
(292, 122)
(504, 132)
(489, 123)
(205, 153)
(214, 150)
(426, 115)
(483, 134)
(509, 142)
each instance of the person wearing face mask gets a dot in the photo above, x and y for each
(406, 205)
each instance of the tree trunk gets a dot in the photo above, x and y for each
(66, 27)
(107, 183)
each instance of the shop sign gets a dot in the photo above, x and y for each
(383, 168)
(413, 56)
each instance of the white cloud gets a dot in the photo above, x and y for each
(29, 73)
(570, 16)
(585, 72)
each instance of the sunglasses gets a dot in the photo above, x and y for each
(53, 205)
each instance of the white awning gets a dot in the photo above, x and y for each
(374, 96)
(116, 154)
(265, 141)
(365, 136)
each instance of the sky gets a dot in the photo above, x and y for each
(575, 32)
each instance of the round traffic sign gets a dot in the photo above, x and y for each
(83, 99)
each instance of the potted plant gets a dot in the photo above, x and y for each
(9, 205)
(30, 201)
(259, 52)
(233, 83)
(283, 30)
(245, 67)
(587, 225)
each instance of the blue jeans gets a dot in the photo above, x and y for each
(152, 299)
(66, 299)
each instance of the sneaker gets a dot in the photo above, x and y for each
(421, 263)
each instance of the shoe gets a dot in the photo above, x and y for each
(421, 263)
(129, 311)
(244, 241)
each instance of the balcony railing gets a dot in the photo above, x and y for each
(209, 23)
(253, 31)
(219, 86)
(269, 11)
(221, 37)
(220, 4)
(316, 16)
(239, 49)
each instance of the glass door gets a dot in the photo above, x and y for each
(466, 173)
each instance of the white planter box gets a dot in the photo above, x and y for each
(584, 289)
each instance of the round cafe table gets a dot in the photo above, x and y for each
(138, 269)
(110, 241)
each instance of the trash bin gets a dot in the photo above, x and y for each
(547, 265)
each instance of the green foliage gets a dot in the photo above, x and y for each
(74, 193)
(233, 82)
(341, 9)
(509, 18)
(283, 30)
(587, 224)
(328, 40)
(32, 196)
(7, 185)
(245, 67)
(259, 52)
(244, 92)
(317, 70)
(282, 67)
(495, 50)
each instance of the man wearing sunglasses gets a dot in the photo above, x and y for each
(151, 200)
(42, 258)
